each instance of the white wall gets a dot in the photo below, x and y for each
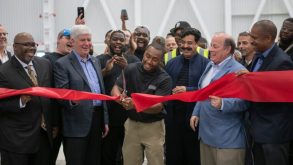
(23, 15)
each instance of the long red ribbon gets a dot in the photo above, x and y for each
(56, 93)
(274, 86)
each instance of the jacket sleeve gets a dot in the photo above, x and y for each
(61, 80)
(196, 109)
(234, 105)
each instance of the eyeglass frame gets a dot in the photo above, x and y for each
(27, 44)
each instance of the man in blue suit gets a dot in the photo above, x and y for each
(82, 120)
(220, 120)
(271, 123)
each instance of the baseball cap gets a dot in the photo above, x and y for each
(64, 32)
(180, 25)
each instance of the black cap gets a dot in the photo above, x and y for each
(180, 25)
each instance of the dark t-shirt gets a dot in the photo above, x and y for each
(139, 80)
(53, 57)
(111, 77)
(139, 53)
(117, 114)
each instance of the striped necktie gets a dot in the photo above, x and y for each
(32, 74)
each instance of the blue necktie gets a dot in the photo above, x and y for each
(259, 62)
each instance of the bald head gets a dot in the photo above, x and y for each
(222, 46)
(21, 36)
(228, 41)
(267, 27)
(24, 47)
(263, 33)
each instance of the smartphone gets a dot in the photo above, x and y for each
(124, 14)
(80, 10)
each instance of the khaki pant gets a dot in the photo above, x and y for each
(140, 138)
(215, 156)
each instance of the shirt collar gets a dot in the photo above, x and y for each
(81, 59)
(266, 53)
(22, 63)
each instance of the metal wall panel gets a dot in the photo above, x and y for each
(102, 15)
(22, 16)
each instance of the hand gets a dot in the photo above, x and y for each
(242, 72)
(121, 61)
(79, 21)
(25, 99)
(109, 65)
(106, 131)
(133, 44)
(127, 103)
(216, 102)
(107, 50)
(123, 18)
(179, 89)
(194, 122)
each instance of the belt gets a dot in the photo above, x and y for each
(97, 108)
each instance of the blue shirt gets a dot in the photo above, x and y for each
(261, 57)
(91, 75)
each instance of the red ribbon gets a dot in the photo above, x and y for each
(56, 93)
(274, 86)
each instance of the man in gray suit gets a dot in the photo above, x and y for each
(221, 129)
(82, 120)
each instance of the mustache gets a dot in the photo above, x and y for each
(189, 49)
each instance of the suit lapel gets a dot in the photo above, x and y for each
(21, 70)
(268, 59)
(39, 72)
(97, 67)
(76, 65)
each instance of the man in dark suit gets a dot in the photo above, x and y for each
(22, 140)
(82, 120)
(271, 126)
(4, 54)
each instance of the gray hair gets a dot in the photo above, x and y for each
(77, 30)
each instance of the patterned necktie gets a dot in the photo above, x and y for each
(32, 74)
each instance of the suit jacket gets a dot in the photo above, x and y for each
(272, 122)
(222, 128)
(68, 73)
(20, 127)
(9, 56)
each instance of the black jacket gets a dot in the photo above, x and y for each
(272, 122)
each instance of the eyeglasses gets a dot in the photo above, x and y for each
(3, 34)
(28, 44)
